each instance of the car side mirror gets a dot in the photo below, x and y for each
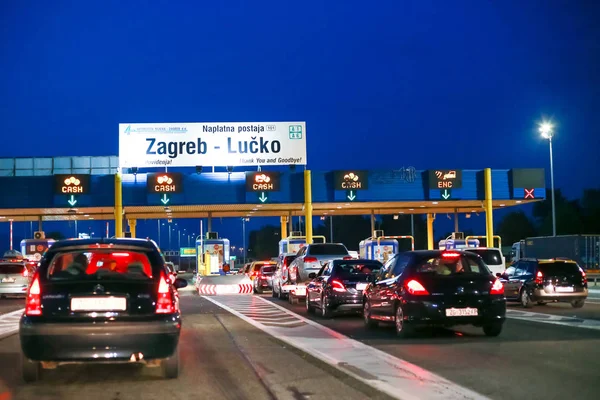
(180, 283)
(312, 275)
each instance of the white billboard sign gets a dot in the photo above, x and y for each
(212, 144)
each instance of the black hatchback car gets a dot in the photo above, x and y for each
(435, 288)
(101, 300)
(339, 285)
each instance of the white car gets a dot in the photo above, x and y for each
(492, 257)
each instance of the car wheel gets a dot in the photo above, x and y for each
(492, 329)
(525, 299)
(309, 307)
(369, 323)
(31, 370)
(325, 307)
(275, 293)
(402, 329)
(577, 303)
(170, 366)
(293, 299)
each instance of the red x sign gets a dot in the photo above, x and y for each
(529, 194)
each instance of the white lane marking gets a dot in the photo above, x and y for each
(553, 319)
(9, 322)
(391, 375)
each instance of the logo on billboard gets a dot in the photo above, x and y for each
(295, 131)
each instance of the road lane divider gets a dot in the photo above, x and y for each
(388, 374)
(9, 323)
(553, 319)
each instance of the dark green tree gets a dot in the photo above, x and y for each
(264, 243)
(568, 215)
(56, 235)
(347, 229)
(515, 226)
(590, 210)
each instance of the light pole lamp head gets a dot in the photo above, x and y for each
(546, 130)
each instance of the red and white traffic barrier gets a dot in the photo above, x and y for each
(213, 290)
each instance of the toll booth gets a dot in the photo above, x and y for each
(382, 248)
(213, 253)
(295, 242)
(457, 241)
(34, 249)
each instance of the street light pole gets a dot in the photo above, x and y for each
(546, 130)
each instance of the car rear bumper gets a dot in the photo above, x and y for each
(434, 313)
(544, 294)
(108, 342)
(346, 301)
(13, 289)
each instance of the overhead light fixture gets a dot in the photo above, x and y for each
(519, 201)
(86, 215)
(255, 209)
(502, 205)
(331, 210)
(347, 204)
(198, 169)
(468, 215)
(411, 209)
(338, 207)
(395, 216)
(229, 169)
(422, 206)
(434, 202)
(259, 205)
(401, 212)
(133, 170)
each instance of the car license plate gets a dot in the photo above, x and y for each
(462, 312)
(8, 280)
(300, 291)
(98, 304)
(563, 289)
(361, 286)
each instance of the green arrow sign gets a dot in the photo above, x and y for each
(263, 197)
(165, 199)
(446, 194)
(351, 196)
(72, 201)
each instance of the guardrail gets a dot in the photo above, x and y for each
(593, 278)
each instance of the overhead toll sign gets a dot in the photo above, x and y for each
(262, 182)
(164, 183)
(212, 144)
(72, 186)
(526, 180)
(351, 182)
(445, 179)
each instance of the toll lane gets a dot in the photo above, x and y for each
(11, 304)
(222, 357)
(529, 359)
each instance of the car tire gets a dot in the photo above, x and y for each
(31, 370)
(578, 303)
(493, 329)
(275, 293)
(293, 299)
(402, 329)
(369, 323)
(170, 366)
(525, 299)
(325, 308)
(310, 309)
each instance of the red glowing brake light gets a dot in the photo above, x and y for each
(338, 286)
(25, 272)
(310, 259)
(450, 255)
(348, 258)
(414, 287)
(539, 278)
(497, 287)
(33, 304)
(164, 303)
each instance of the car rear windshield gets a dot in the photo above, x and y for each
(259, 265)
(357, 268)
(11, 268)
(268, 270)
(328, 250)
(559, 268)
(490, 256)
(100, 264)
(451, 265)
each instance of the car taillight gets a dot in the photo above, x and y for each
(497, 287)
(583, 276)
(338, 286)
(450, 255)
(539, 278)
(164, 303)
(310, 259)
(414, 287)
(25, 272)
(33, 303)
(348, 258)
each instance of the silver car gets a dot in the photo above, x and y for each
(14, 278)
(310, 258)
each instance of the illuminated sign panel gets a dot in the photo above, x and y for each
(72, 184)
(262, 181)
(445, 179)
(165, 182)
(351, 180)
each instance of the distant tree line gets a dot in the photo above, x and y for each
(578, 216)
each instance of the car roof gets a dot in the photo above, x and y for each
(68, 243)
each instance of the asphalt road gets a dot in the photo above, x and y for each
(11, 304)
(222, 358)
(530, 360)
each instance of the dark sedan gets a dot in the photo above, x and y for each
(101, 300)
(339, 285)
(435, 288)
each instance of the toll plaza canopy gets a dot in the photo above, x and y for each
(63, 188)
